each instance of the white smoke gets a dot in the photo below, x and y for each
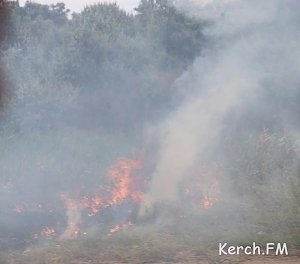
(251, 34)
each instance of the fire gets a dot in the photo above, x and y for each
(210, 190)
(125, 184)
(18, 209)
(208, 202)
(48, 232)
(205, 190)
(92, 203)
(121, 176)
(117, 228)
(114, 229)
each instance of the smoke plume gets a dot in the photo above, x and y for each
(256, 52)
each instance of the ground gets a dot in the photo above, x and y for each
(182, 257)
(158, 249)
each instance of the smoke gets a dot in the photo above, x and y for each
(256, 52)
(83, 95)
(74, 217)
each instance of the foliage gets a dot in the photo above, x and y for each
(264, 174)
(83, 88)
(113, 61)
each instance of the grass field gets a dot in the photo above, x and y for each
(134, 245)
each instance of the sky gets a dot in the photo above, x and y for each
(78, 5)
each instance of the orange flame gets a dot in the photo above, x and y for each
(208, 202)
(114, 229)
(205, 189)
(18, 209)
(48, 232)
(121, 176)
(92, 203)
(117, 228)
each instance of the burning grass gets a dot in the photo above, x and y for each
(102, 225)
(113, 205)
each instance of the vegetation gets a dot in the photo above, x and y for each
(77, 91)
(103, 72)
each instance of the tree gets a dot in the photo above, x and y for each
(180, 36)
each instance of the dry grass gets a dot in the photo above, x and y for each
(136, 248)
(116, 249)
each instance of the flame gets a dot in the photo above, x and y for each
(205, 188)
(18, 209)
(211, 199)
(121, 176)
(117, 228)
(48, 232)
(125, 184)
(208, 202)
(211, 189)
(92, 203)
(114, 229)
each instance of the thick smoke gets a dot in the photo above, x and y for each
(256, 52)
